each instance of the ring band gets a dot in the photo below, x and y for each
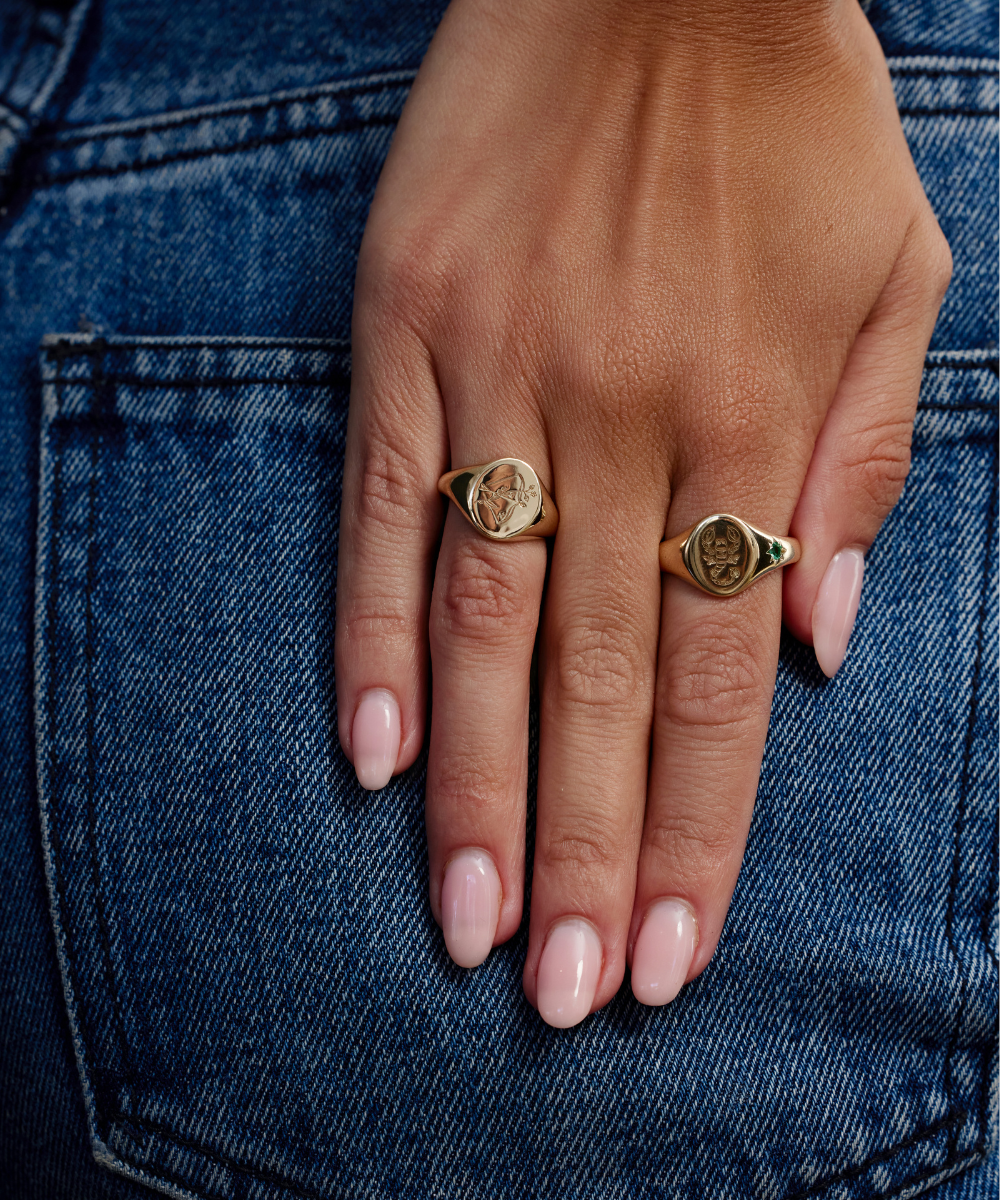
(722, 555)
(504, 500)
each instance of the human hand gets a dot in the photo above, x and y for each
(676, 256)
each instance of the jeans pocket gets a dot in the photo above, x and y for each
(260, 1003)
(185, 731)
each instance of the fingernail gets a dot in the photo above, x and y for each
(568, 972)
(375, 738)
(663, 952)
(470, 907)
(836, 608)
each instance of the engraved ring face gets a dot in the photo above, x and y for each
(721, 553)
(505, 498)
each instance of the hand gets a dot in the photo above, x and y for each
(676, 256)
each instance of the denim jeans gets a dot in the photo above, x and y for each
(222, 978)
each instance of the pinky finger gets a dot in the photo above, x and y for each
(862, 455)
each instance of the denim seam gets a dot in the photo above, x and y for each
(971, 1155)
(64, 44)
(881, 1156)
(160, 1173)
(259, 1173)
(64, 348)
(947, 112)
(989, 1050)
(61, 900)
(195, 381)
(944, 73)
(274, 139)
(101, 133)
(91, 784)
(991, 900)
(957, 837)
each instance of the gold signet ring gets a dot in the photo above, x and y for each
(722, 555)
(504, 500)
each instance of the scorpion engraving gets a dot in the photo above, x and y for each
(721, 554)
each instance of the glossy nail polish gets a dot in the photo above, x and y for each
(663, 952)
(470, 907)
(836, 608)
(375, 738)
(568, 972)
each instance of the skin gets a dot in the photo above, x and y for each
(677, 257)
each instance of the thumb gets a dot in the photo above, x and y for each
(862, 455)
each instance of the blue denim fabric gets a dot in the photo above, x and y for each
(199, 929)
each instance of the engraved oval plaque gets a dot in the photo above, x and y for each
(505, 498)
(721, 553)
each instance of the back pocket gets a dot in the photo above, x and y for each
(261, 1004)
(186, 735)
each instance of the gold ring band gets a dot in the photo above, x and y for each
(722, 555)
(503, 500)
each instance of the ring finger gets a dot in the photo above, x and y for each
(717, 665)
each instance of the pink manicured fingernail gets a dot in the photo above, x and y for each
(836, 608)
(470, 907)
(663, 952)
(375, 738)
(568, 972)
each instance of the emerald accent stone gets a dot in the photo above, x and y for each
(775, 550)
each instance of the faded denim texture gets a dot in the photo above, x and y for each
(197, 932)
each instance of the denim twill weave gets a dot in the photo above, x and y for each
(199, 927)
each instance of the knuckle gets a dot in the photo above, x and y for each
(686, 847)
(378, 621)
(713, 679)
(389, 487)
(579, 840)
(403, 271)
(465, 782)
(939, 264)
(878, 462)
(601, 666)
(482, 598)
(740, 396)
(615, 369)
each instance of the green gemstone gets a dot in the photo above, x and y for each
(775, 550)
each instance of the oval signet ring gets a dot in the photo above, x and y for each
(722, 555)
(504, 500)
